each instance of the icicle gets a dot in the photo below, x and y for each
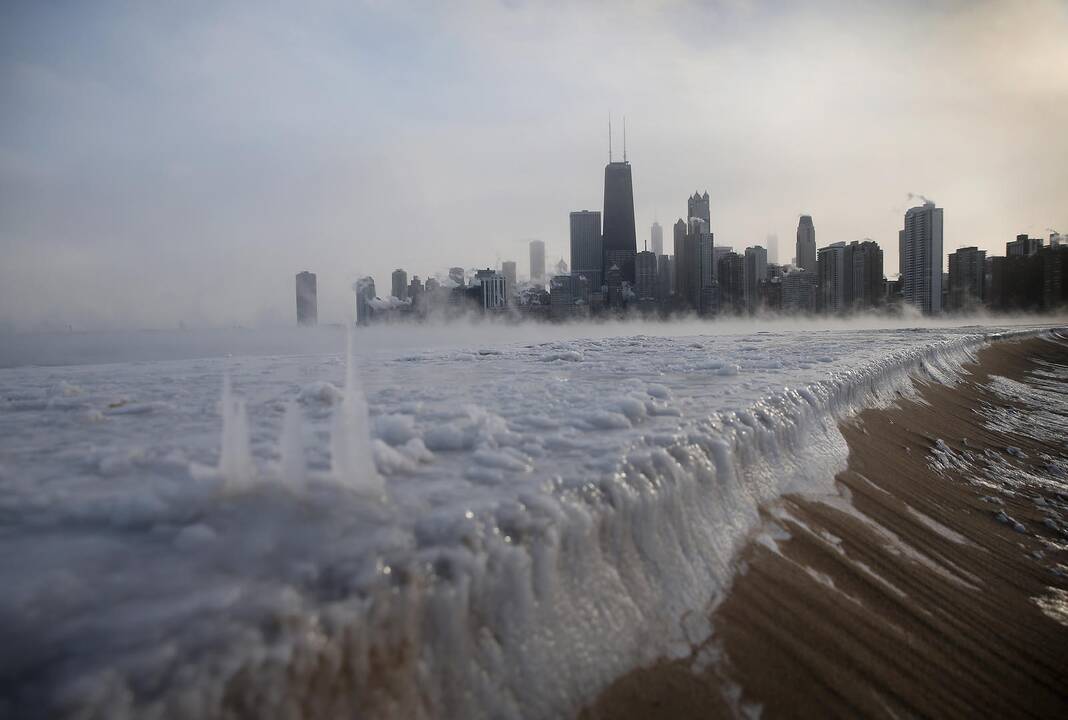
(235, 461)
(350, 439)
(292, 448)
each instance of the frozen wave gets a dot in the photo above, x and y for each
(547, 525)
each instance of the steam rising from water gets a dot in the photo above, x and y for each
(350, 438)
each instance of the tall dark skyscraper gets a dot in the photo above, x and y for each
(620, 241)
(307, 299)
(697, 206)
(806, 244)
(587, 252)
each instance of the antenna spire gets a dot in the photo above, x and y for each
(624, 138)
(609, 137)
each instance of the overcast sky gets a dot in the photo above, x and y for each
(160, 164)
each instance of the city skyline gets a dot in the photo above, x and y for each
(161, 168)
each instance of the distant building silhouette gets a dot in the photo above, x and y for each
(656, 239)
(561, 297)
(537, 261)
(645, 268)
(400, 284)
(456, 275)
(868, 284)
(967, 278)
(755, 275)
(922, 264)
(365, 293)
(1023, 246)
(587, 248)
(697, 206)
(773, 248)
(718, 252)
(835, 268)
(732, 283)
(307, 299)
(799, 289)
(620, 241)
(493, 285)
(665, 277)
(508, 270)
(806, 243)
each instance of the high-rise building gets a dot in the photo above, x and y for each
(806, 243)
(307, 299)
(508, 270)
(967, 278)
(732, 283)
(620, 241)
(867, 286)
(922, 271)
(645, 270)
(400, 284)
(1023, 246)
(665, 277)
(799, 291)
(773, 248)
(755, 275)
(365, 293)
(718, 252)
(1056, 239)
(685, 259)
(694, 256)
(561, 297)
(587, 248)
(834, 265)
(537, 261)
(492, 284)
(456, 276)
(697, 206)
(656, 239)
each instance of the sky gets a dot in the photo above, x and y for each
(166, 163)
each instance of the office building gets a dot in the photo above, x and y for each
(806, 243)
(718, 252)
(1023, 246)
(365, 293)
(307, 299)
(967, 278)
(732, 283)
(537, 262)
(755, 275)
(400, 284)
(922, 267)
(620, 241)
(656, 239)
(561, 297)
(587, 248)
(773, 248)
(697, 206)
(508, 270)
(645, 270)
(867, 287)
(799, 289)
(492, 284)
(834, 266)
(665, 277)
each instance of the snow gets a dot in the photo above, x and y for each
(512, 524)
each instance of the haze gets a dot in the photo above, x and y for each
(178, 165)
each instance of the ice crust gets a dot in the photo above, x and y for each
(538, 519)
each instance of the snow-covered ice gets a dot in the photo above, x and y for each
(463, 528)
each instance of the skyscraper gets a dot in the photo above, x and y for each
(685, 256)
(773, 248)
(922, 271)
(365, 292)
(537, 261)
(587, 249)
(967, 278)
(645, 270)
(834, 271)
(665, 277)
(732, 282)
(508, 270)
(867, 286)
(620, 241)
(400, 284)
(806, 243)
(307, 299)
(799, 291)
(755, 274)
(1023, 246)
(656, 239)
(697, 206)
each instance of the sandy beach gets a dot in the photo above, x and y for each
(933, 583)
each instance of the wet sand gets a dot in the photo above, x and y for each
(903, 594)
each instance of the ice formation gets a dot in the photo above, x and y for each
(556, 514)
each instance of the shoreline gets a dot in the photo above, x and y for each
(902, 593)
